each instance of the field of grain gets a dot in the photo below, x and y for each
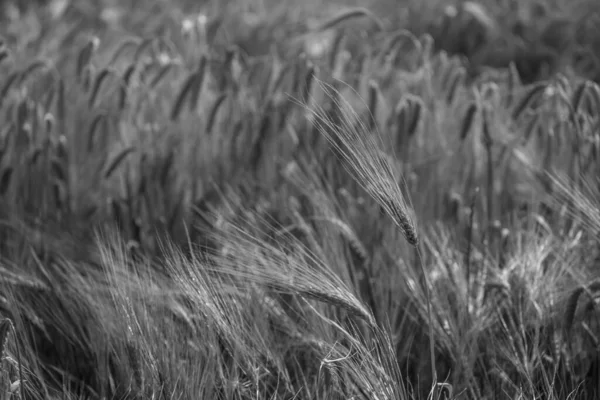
(335, 199)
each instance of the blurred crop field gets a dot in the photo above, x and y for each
(320, 199)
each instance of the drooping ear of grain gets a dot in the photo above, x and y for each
(100, 78)
(398, 38)
(530, 97)
(573, 301)
(350, 14)
(141, 49)
(213, 112)
(402, 117)
(456, 80)
(92, 131)
(181, 97)
(50, 96)
(336, 47)
(594, 93)
(33, 68)
(21, 115)
(284, 72)
(4, 330)
(531, 127)
(372, 105)
(398, 215)
(85, 56)
(416, 111)
(124, 87)
(58, 170)
(87, 77)
(227, 69)
(256, 150)
(308, 82)
(123, 47)
(8, 84)
(467, 121)
(570, 310)
(161, 75)
(514, 82)
(117, 160)
(197, 83)
(60, 102)
(49, 124)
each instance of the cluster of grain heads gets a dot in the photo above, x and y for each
(8, 365)
(288, 267)
(364, 157)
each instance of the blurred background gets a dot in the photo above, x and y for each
(540, 37)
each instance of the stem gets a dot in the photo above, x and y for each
(470, 246)
(429, 317)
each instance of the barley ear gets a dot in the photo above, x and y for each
(197, 84)
(350, 14)
(85, 56)
(308, 82)
(8, 84)
(467, 121)
(87, 77)
(458, 79)
(213, 112)
(92, 131)
(372, 104)
(399, 217)
(336, 46)
(49, 123)
(103, 75)
(122, 47)
(32, 68)
(160, 75)
(532, 95)
(4, 329)
(594, 92)
(531, 127)
(124, 87)
(183, 93)
(514, 82)
(117, 160)
(570, 310)
(416, 107)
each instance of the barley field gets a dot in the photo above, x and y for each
(328, 199)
